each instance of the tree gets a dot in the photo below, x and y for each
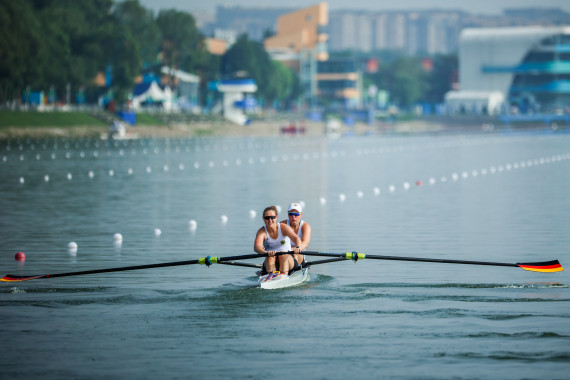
(142, 27)
(275, 82)
(440, 80)
(182, 44)
(20, 42)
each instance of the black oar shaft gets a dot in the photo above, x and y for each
(427, 260)
(349, 256)
(206, 260)
(120, 269)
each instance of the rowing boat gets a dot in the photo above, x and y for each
(272, 281)
(298, 277)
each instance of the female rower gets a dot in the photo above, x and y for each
(301, 228)
(272, 238)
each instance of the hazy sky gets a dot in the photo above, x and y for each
(473, 6)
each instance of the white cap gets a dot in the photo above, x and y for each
(295, 206)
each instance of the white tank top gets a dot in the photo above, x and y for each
(300, 233)
(281, 244)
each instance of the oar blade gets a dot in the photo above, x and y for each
(544, 266)
(12, 278)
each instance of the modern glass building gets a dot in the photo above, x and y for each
(529, 66)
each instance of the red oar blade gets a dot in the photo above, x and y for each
(12, 278)
(545, 266)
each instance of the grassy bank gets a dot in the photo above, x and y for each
(47, 119)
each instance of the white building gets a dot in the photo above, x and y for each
(529, 66)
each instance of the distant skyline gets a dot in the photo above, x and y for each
(486, 7)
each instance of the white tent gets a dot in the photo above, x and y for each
(154, 94)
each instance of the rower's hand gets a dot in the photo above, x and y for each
(296, 250)
(270, 253)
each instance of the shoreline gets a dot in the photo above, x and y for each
(219, 129)
(264, 128)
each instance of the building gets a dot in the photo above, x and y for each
(528, 66)
(339, 83)
(301, 42)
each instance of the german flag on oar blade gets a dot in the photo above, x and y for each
(544, 266)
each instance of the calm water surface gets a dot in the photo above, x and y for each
(490, 197)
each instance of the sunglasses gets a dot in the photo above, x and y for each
(269, 217)
(294, 213)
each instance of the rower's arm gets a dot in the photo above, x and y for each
(258, 243)
(306, 236)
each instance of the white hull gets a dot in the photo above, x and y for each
(284, 281)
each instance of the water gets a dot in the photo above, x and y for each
(500, 198)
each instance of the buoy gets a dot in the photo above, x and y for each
(224, 219)
(117, 237)
(376, 191)
(20, 256)
(252, 214)
(322, 200)
(341, 197)
(418, 183)
(192, 224)
(406, 185)
(72, 245)
(157, 232)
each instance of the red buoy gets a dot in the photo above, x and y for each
(20, 256)
(418, 183)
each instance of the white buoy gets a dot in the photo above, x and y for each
(432, 181)
(406, 185)
(130, 171)
(341, 197)
(22, 180)
(117, 237)
(252, 214)
(91, 174)
(157, 232)
(72, 249)
(181, 166)
(46, 178)
(323, 200)
(148, 169)
(192, 225)
(69, 176)
(359, 194)
(376, 191)
(392, 188)
(111, 172)
(224, 219)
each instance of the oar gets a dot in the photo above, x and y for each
(542, 266)
(206, 260)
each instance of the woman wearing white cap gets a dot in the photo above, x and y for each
(301, 228)
(276, 237)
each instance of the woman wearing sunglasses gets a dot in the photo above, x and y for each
(301, 228)
(273, 238)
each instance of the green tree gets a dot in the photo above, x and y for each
(142, 27)
(404, 79)
(21, 40)
(182, 44)
(440, 80)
